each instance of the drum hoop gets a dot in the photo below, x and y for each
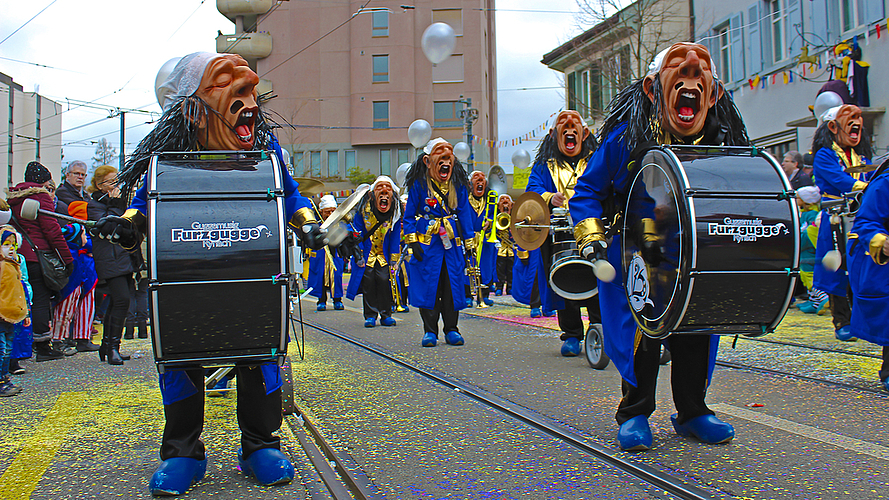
(568, 295)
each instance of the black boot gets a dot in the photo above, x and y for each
(142, 327)
(45, 352)
(115, 332)
(86, 345)
(131, 327)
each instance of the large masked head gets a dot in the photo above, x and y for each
(439, 160)
(228, 86)
(479, 183)
(687, 81)
(846, 125)
(504, 203)
(570, 130)
(384, 195)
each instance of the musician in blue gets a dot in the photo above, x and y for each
(868, 251)
(326, 266)
(839, 144)
(486, 250)
(680, 101)
(210, 103)
(438, 227)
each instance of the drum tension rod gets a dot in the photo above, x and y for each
(280, 277)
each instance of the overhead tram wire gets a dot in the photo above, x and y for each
(28, 21)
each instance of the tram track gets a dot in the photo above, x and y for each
(678, 487)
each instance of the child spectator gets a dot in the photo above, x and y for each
(808, 199)
(23, 343)
(13, 304)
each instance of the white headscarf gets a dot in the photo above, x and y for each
(396, 205)
(658, 62)
(809, 194)
(185, 79)
(327, 201)
(431, 145)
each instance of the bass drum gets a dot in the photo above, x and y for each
(710, 241)
(570, 276)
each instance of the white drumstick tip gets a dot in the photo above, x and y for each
(604, 270)
(832, 260)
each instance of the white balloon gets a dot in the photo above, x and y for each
(419, 133)
(521, 158)
(401, 174)
(461, 151)
(162, 76)
(438, 42)
(825, 101)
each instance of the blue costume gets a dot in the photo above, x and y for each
(326, 274)
(487, 261)
(528, 271)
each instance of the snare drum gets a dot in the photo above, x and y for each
(726, 257)
(217, 257)
(570, 276)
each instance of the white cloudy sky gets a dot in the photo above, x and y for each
(109, 51)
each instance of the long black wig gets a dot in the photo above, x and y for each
(824, 138)
(549, 148)
(418, 171)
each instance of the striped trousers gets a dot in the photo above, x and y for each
(76, 309)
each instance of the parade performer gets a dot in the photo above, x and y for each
(505, 249)
(562, 158)
(680, 101)
(868, 251)
(839, 143)
(378, 225)
(210, 103)
(326, 266)
(438, 226)
(486, 251)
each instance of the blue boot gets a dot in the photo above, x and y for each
(549, 314)
(370, 322)
(387, 321)
(217, 390)
(429, 340)
(321, 306)
(469, 303)
(338, 305)
(635, 434)
(885, 383)
(845, 334)
(807, 307)
(176, 475)
(269, 466)
(498, 292)
(535, 312)
(571, 347)
(488, 301)
(706, 428)
(454, 338)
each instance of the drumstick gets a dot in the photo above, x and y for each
(30, 209)
(604, 270)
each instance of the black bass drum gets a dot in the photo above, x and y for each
(217, 258)
(710, 241)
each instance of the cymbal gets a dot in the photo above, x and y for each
(860, 169)
(346, 206)
(308, 186)
(529, 210)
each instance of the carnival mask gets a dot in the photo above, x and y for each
(570, 131)
(847, 126)
(383, 196)
(479, 184)
(440, 162)
(229, 87)
(688, 89)
(505, 205)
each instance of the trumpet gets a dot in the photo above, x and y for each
(393, 281)
(502, 221)
(475, 277)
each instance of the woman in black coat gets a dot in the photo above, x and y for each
(113, 264)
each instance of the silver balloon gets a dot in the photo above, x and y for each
(438, 42)
(521, 158)
(401, 174)
(162, 76)
(461, 151)
(825, 101)
(419, 133)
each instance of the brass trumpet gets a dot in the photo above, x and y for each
(502, 221)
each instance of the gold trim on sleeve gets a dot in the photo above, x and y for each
(649, 231)
(547, 197)
(859, 185)
(302, 217)
(588, 231)
(410, 238)
(522, 254)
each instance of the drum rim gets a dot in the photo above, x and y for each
(559, 263)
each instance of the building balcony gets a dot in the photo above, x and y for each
(250, 46)
(234, 8)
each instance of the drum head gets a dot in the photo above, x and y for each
(572, 277)
(655, 276)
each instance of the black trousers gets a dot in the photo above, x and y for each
(444, 306)
(690, 355)
(884, 369)
(259, 415)
(41, 306)
(840, 311)
(120, 289)
(504, 273)
(323, 298)
(535, 295)
(570, 321)
(376, 292)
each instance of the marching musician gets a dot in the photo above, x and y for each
(486, 250)
(210, 103)
(438, 222)
(562, 158)
(378, 225)
(528, 272)
(679, 101)
(505, 248)
(839, 144)
(326, 266)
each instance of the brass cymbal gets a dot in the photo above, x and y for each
(529, 210)
(860, 169)
(346, 207)
(308, 186)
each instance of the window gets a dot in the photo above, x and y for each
(333, 164)
(381, 69)
(403, 156)
(572, 83)
(298, 164)
(451, 17)
(380, 23)
(385, 161)
(448, 71)
(724, 53)
(777, 18)
(446, 114)
(351, 160)
(315, 158)
(848, 11)
(381, 114)
(585, 93)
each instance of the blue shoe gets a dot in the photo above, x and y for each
(454, 338)
(807, 307)
(469, 302)
(571, 347)
(338, 305)
(706, 428)
(549, 314)
(885, 383)
(535, 312)
(489, 302)
(321, 306)
(498, 292)
(845, 334)
(269, 466)
(215, 392)
(387, 321)
(635, 434)
(370, 322)
(176, 475)
(429, 340)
